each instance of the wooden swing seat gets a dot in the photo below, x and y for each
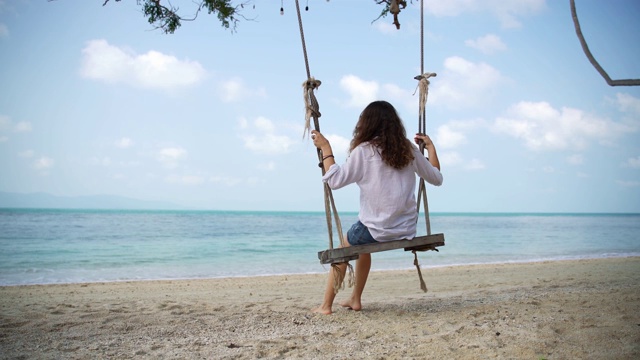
(346, 254)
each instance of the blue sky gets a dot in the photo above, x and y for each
(94, 101)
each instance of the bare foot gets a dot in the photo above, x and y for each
(352, 304)
(321, 310)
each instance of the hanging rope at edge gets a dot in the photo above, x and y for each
(592, 60)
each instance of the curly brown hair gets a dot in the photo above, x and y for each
(380, 125)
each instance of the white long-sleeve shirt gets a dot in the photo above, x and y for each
(387, 195)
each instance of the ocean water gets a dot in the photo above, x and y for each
(43, 246)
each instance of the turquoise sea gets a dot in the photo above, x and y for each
(43, 246)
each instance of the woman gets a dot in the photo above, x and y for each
(383, 162)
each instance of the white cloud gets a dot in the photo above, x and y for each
(385, 27)
(340, 145)
(628, 103)
(101, 161)
(264, 125)
(129, 163)
(449, 158)
(268, 166)
(361, 92)
(255, 180)
(124, 143)
(487, 44)
(261, 137)
(235, 89)
(507, 12)
(23, 126)
(4, 31)
(26, 154)
(7, 125)
(633, 163)
(399, 96)
(43, 163)
(448, 138)
(542, 127)
(4, 139)
(170, 156)
(475, 164)
(632, 183)
(576, 159)
(452, 135)
(155, 70)
(185, 179)
(5, 122)
(465, 84)
(226, 180)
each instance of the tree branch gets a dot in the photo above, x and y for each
(167, 17)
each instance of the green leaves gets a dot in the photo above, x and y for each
(160, 16)
(167, 17)
(226, 13)
(163, 15)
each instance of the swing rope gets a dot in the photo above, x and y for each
(312, 110)
(423, 88)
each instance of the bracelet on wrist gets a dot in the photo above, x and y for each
(321, 163)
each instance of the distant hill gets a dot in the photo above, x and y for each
(41, 200)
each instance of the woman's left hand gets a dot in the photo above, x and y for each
(423, 138)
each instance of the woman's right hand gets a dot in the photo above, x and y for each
(319, 140)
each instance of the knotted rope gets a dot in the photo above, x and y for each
(423, 87)
(312, 109)
(394, 8)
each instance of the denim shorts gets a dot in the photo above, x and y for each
(359, 235)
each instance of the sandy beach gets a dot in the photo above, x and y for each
(548, 310)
